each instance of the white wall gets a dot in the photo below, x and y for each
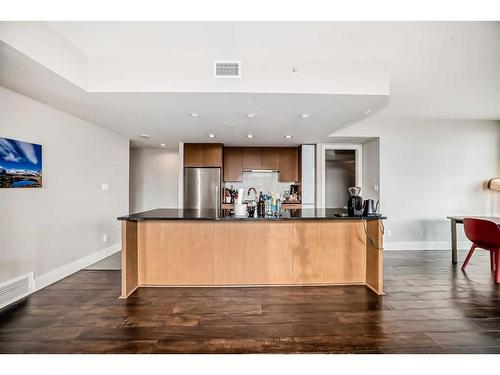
(371, 170)
(154, 177)
(44, 229)
(47, 46)
(430, 169)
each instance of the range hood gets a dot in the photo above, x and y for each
(262, 170)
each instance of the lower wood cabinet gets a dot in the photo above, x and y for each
(326, 252)
(175, 253)
(253, 254)
(294, 252)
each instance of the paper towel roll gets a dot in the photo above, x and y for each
(240, 210)
(240, 196)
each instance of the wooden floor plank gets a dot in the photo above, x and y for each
(430, 306)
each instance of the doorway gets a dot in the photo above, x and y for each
(339, 167)
(340, 174)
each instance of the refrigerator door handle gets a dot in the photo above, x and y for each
(217, 197)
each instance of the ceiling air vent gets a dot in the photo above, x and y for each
(227, 69)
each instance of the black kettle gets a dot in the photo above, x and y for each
(370, 208)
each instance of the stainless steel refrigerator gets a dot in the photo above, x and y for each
(202, 188)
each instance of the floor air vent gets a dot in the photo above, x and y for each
(227, 69)
(15, 289)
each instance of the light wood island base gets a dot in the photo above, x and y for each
(251, 253)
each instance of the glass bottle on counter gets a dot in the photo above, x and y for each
(227, 195)
(273, 203)
(261, 206)
(269, 205)
(279, 207)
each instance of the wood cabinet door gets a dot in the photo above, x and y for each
(233, 164)
(212, 155)
(193, 154)
(329, 252)
(175, 253)
(251, 253)
(251, 158)
(289, 164)
(270, 158)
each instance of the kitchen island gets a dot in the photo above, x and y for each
(171, 247)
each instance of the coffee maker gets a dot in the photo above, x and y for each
(355, 202)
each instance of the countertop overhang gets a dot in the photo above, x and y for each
(225, 215)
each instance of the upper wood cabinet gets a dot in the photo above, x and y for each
(212, 155)
(203, 155)
(288, 164)
(282, 159)
(233, 164)
(193, 154)
(270, 158)
(251, 158)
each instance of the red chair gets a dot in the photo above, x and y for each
(485, 235)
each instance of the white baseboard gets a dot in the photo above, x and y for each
(60, 273)
(444, 245)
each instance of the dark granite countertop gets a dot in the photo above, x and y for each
(225, 215)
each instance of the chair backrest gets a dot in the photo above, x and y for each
(482, 232)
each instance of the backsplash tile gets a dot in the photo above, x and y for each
(261, 181)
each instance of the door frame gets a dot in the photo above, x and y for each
(320, 166)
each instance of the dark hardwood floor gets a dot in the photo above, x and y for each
(430, 307)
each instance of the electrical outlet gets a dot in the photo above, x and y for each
(389, 233)
(375, 187)
(104, 238)
(105, 186)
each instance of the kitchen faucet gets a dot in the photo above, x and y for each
(255, 192)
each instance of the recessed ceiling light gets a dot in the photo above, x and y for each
(194, 115)
(288, 136)
(251, 115)
(249, 135)
(162, 144)
(304, 115)
(211, 135)
(145, 136)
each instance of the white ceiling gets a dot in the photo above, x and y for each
(445, 70)
(166, 117)
(437, 69)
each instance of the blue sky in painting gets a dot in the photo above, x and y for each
(20, 155)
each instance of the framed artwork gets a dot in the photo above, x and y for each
(20, 164)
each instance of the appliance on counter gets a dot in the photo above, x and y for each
(202, 188)
(370, 208)
(355, 202)
(294, 195)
